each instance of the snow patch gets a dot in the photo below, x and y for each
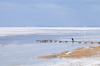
(68, 53)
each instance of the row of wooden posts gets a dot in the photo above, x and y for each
(50, 41)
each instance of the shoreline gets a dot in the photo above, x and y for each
(81, 56)
(75, 53)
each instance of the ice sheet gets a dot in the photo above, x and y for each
(6, 31)
(23, 50)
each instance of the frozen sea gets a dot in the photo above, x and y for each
(20, 47)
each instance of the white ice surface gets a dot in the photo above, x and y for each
(6, 31)
(25, 54)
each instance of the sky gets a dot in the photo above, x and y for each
(50, 13)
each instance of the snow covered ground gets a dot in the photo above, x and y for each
(80, 62)
(6, 31)
(18, 45)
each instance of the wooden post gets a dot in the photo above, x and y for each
(98, 42)
(50, 41)
(60, 41)
(79, 42)
(85, 42)
(55, 41)
(45, 41)
(65, 41)
(72, 41)
(91, 42)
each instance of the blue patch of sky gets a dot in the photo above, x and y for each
(67, 13)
